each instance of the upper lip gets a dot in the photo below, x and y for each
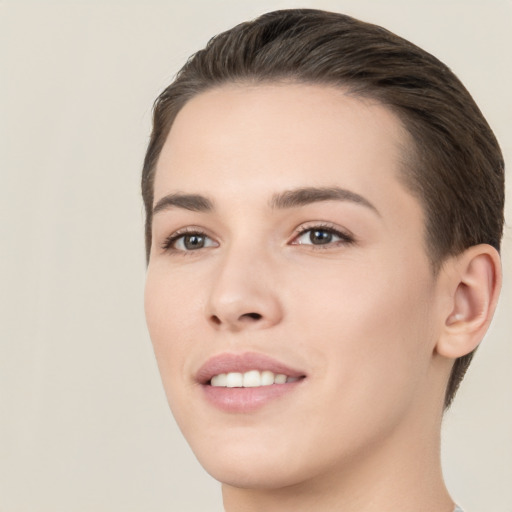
(229, 362)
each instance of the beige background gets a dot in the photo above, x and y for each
(84, 424)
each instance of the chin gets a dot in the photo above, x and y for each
(260, 464)
(262, 475)
(245, 461)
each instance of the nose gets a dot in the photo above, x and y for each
(243, 294)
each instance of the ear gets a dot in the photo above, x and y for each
(474, 283)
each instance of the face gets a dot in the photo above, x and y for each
(289, 297)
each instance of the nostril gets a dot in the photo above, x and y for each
(246, 318)
(252, 316)
(216, 320)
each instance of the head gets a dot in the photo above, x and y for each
(454, 165)
(294, 130)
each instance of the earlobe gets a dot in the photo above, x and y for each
(474, 281)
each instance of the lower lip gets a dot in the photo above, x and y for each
(240, 400)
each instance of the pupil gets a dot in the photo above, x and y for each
(193, 241)
(320, 237)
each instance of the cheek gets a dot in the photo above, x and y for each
(168, 317)
(370, 334)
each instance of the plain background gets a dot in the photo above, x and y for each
(84, 424)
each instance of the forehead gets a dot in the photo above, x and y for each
(245, 140)
(255, 123)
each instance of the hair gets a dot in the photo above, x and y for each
(455, 167)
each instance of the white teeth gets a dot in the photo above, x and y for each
(219, 380)
(234, 380)
(279, 379)
(267, 378)
(250, 379)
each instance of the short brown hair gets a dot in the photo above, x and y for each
(455, 168)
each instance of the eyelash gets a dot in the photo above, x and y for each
(345, 238)
(174, 237)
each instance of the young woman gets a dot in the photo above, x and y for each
(324, 207)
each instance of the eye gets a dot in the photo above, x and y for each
(188, 241)
(322, 236)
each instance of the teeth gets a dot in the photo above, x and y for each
(234, 380)
(280, 379)
(220, 380)
(267, 378)
(250, 379)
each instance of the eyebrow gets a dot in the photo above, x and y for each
(303, 196)
(288, 199)
(192, 202)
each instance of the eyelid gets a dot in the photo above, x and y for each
(346, 236)
(169, 241)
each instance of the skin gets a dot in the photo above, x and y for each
(365, 319)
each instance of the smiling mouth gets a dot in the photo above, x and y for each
(245, 383)
(251, 379)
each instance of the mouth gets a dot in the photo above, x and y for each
(251, 379)
(246, 382)
(246, 370)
